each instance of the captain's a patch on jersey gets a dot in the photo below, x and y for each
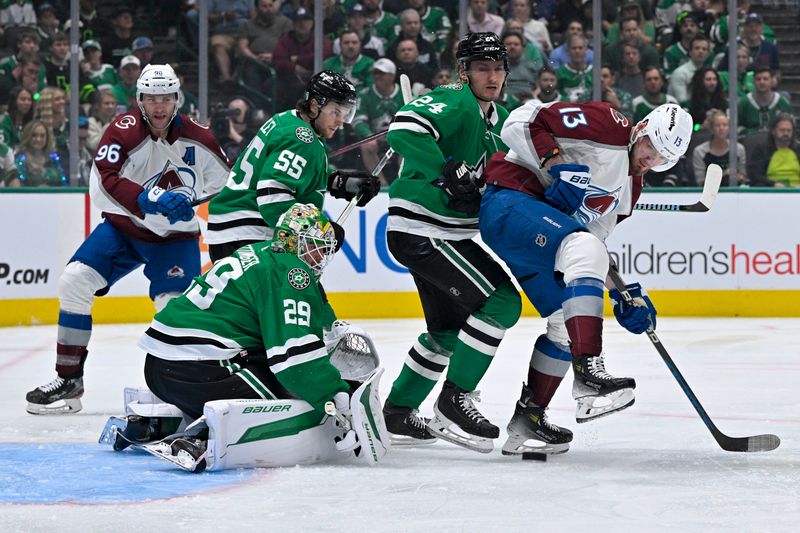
(299, 278)
(304, 134)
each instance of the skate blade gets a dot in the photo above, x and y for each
(593, 407)
(516, 445)
(60, 407)
(406, 441)
(442, 429)
(115, 426)
(183, 459)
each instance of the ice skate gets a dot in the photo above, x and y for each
(59, 397)
(597, 392)
(530, 423)
(188, 453)
(458, 421)
(406, 427)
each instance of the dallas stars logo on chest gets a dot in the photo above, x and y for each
(299, 278)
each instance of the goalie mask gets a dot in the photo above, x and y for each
(158, 80)
(305, 231)
(669, 128)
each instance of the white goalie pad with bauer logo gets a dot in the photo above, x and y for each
(271, 433)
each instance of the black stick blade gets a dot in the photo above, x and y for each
(756, 443)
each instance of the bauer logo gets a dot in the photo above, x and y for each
(267, 409)
(299, 278)
(304, 134)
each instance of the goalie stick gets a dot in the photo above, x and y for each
(710, 190)
(405, 88)
(756, 443)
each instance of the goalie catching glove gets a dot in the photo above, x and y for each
(349, 184)
(638, 316)
(174, 206)
(568, 188)
(462, 187)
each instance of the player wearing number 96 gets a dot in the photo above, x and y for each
(572, 173)
(149, 165)
(252, 326)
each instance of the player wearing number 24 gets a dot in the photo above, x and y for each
(150, 164)
(572, 172)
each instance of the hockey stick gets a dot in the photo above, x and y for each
(405, 87)
(710, 190)
(353, 146)
(756, 443)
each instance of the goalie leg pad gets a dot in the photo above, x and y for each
(268, 433)
(368, 423)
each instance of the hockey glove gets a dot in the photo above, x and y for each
(344, 418)
(636, 317)
(568, 188)
(349, 184)
(172, 205)
(462, 187)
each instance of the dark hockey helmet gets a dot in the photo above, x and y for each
(328, 86)
(481, 46)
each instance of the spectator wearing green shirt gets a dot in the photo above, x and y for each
(632, 8)
(745, 77)
(28, 43)
(377, 105)
(125, 90)
(350, 62)
(18, 114)
(619, 98)
(653, 95)
(102, 75)
(678, 53)
(761, 106)
(575, 77)
(631, 33)
(384, 24)
(435, 23)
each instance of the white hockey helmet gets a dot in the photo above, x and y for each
(670, 130)
(159, 79)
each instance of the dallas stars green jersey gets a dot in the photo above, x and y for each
(105, 77)
(642, 106)
(754, 117)
(446, 123)
(257, 300)
(386, 27)
(283, 164)
(359, 73)
(574, 85)
(436, 27)
(375, 111)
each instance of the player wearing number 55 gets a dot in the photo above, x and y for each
(150, 164)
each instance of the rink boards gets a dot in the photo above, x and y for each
(740, 259)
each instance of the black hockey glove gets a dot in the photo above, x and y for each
(349, 184)
(462, 187)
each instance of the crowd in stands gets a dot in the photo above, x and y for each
(262, 54)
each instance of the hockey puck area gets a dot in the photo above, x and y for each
(533, 456)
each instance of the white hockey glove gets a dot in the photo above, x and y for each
(339, 408)
(351, 351)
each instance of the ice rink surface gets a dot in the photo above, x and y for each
(653, 467)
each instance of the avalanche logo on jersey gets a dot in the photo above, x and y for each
(596, 203)
(175, 179)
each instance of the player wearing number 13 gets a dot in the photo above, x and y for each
(149, 165)
(572, 173)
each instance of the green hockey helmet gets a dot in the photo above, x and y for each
(306, 232)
